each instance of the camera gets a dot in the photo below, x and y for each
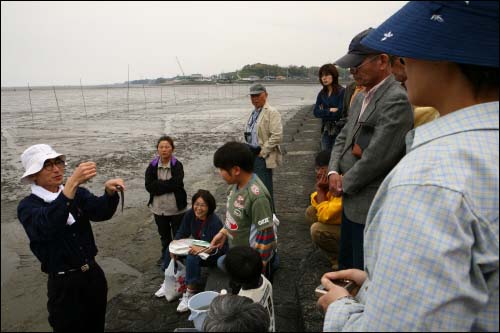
(248, 136)
(348, 285)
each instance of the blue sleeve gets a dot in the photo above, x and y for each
(97, 208)
(320, 110)
(213, 229)
(335, 101)
(43, 222)
(184, 230)
(341, 103)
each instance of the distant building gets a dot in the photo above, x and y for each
(280, 77)
(196, 77)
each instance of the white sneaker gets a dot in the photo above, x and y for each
(161, 291)
(183, 305)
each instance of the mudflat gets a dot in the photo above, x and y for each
(121, 142)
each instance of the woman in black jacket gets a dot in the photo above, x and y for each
(168, 199)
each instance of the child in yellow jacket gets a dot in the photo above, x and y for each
(325, 213)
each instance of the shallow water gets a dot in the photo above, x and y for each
(120, 136)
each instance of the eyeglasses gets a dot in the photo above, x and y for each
(48, 165)
(354, 70)
(200, 205)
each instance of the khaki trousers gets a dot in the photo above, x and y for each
(326, 236)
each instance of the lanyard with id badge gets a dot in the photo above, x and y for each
(252, 121)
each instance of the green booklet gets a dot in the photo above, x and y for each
(201, 243)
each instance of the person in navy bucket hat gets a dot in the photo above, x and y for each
(431, 235)
(464, 32)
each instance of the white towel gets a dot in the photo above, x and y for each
(48, 197)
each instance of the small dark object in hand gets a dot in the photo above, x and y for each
(122, 196)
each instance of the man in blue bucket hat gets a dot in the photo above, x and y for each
(431, 236)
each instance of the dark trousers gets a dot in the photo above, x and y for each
(167, 228)
(351, 244)
(77, 300)
(266, 176)
(327, 141)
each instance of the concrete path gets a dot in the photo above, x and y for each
(301, 264)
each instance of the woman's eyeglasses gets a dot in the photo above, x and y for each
(200, 205)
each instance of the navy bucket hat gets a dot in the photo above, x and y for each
(464, 32)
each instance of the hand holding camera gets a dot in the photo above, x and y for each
(348, 285)
(335, 285)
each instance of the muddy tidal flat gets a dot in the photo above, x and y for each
(119, 133)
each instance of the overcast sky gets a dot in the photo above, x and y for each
(57, 43)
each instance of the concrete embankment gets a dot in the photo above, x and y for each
(301, 263)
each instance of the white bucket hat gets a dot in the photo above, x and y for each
(34, 157)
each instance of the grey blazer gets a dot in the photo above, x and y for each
(391, 117)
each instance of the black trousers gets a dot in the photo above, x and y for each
(351, 244)
(167, 228)
(77, 300)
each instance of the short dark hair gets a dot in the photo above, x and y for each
(323, 158)
(233, 154)
(244, 266)
(233, 313)
(207, 197)
(165, 138)
(481, 77)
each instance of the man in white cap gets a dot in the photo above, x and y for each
(264, 133)
(431, 236)
(56, 218)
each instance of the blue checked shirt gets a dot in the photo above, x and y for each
(431, 237)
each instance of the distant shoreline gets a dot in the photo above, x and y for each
(193, 83)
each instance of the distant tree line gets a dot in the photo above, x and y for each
(291, 72)
(262, 71)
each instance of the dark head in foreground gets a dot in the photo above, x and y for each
(233, 313)
(244, 266)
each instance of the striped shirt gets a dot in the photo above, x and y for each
(369, 96)
(431, 238)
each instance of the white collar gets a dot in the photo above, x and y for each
(44, 194)
(48, 197)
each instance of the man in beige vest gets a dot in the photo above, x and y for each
(264, 133)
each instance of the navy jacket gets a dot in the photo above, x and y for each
(175, 184)
(190, 226)
(59, 246)
(325, 102)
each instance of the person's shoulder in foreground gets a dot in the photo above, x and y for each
(432, 253)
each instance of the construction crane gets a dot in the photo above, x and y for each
(178, 62)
